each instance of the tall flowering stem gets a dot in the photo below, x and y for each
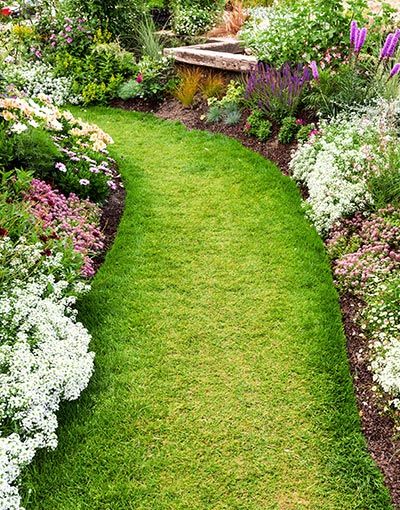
(394, 71)
(386, 47)
(314, 70)
(277, 91)
(361, 38)
(353, 33)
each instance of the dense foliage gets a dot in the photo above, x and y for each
(303, 30)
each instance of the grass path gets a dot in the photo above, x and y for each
(222, 381)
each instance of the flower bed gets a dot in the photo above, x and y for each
(48, 240)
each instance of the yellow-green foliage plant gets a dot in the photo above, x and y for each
(188, 86)
(213, 85)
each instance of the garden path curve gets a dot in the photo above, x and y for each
(222, 380)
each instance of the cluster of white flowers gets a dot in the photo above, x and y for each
(382, 320)
(193, 20)
(44, 359)
(335, 163)
(38, 78)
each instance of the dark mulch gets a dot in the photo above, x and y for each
(110, 218)
(377, 424)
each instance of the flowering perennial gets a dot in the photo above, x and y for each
(44, 359)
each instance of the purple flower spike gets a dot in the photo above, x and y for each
(362, 35)
(395, 70)
(314, 70)
(393, 45)
(353, 33)
(386, 46)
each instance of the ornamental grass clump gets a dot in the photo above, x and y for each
(277, 92)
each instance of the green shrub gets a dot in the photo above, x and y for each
(338, 89)
(35, 150)
(259, 126)
(97, 76)
(154, 77)
(288, 130)
(304, 132)
(120, 18)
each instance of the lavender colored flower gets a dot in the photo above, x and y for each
(353, 33)
(386, 46)
(84, 182)
(394, 71)
(393, 45)
(314, 70)
(362, 35)
(69, 40)
(277, 92)
(61, 167)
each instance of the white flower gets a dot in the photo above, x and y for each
(18, 128)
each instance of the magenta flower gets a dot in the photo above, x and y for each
(314, 70)
(386, 46)
(394, 71)
(361, 37)
(353, 33)
(139, 78)
(393, 45)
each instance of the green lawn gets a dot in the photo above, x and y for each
(222, 380)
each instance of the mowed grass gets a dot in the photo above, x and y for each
(221, 378)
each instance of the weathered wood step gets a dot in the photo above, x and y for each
(224, 53)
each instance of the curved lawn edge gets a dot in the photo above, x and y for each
(348, 476)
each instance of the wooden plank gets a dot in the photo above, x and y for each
(209, 58)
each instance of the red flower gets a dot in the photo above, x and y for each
(3, 232)
(6, 11)
(139, 78)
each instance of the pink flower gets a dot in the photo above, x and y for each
(314, 70)
(69, 40)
